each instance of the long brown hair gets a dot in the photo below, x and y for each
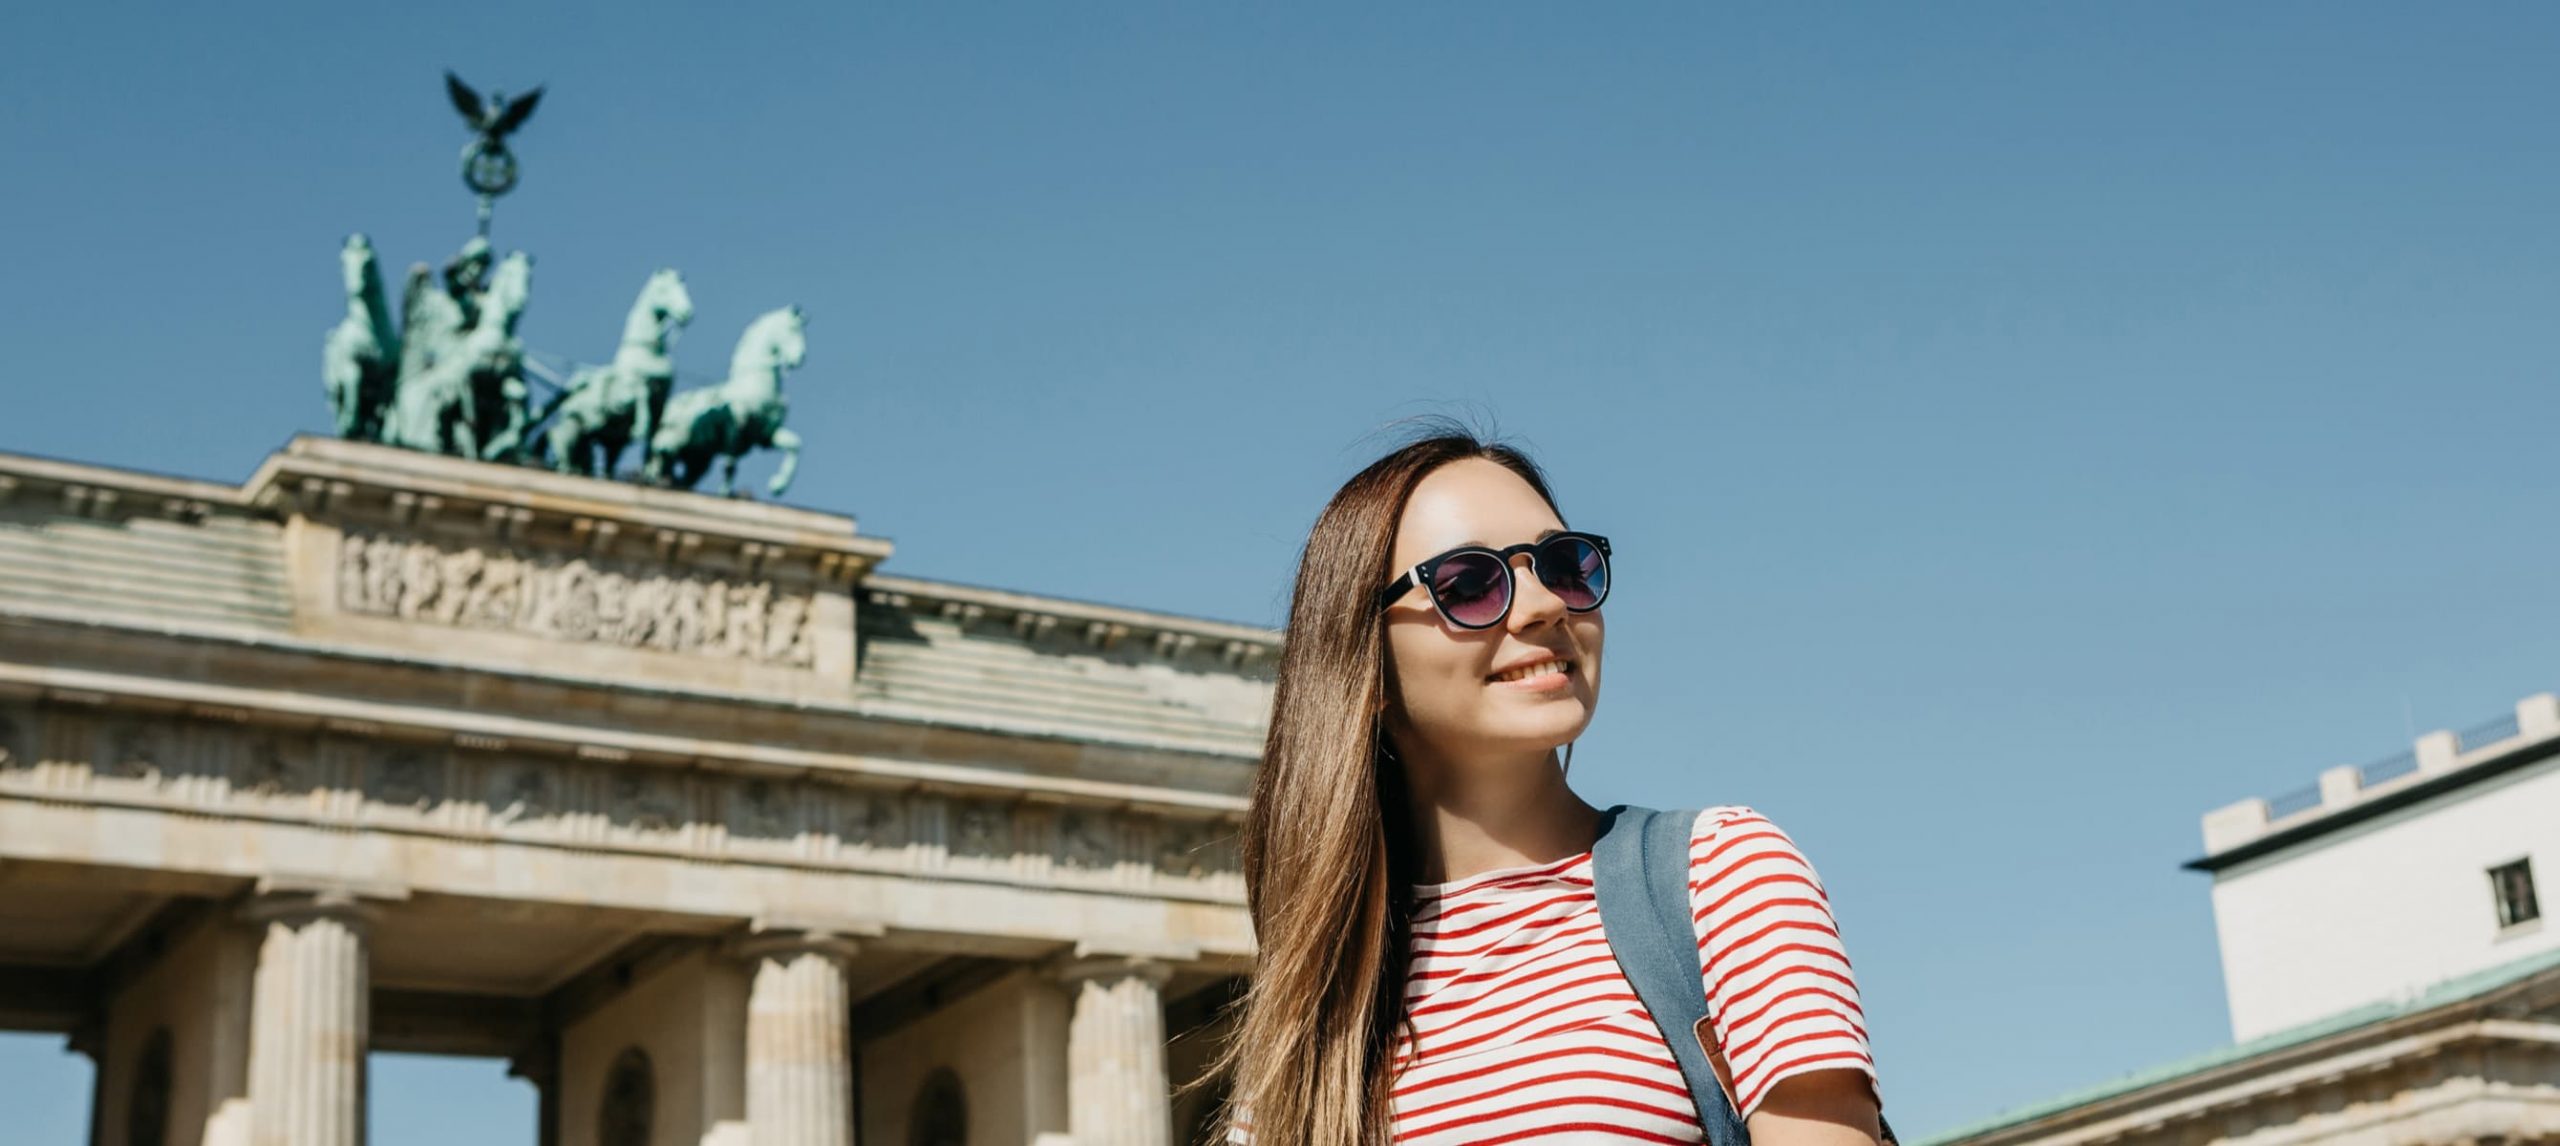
(1329, 858)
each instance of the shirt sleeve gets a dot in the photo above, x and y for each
(1778, 979)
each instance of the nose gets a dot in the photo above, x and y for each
(1532, 603)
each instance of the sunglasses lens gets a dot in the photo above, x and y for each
(1574, 571)
(1473, 588)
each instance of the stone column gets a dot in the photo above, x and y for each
(308, 1022)
(1117, 1090)
(799, 1063)
(539, 1064)
(91, 1040)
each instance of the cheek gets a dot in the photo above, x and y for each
(1431, 671)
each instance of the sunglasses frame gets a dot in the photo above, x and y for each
(1422, 572)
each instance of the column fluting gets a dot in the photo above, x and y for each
(309, 1020)
(799, 1064)
(1117, 1089)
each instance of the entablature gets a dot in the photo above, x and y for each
(215, 789)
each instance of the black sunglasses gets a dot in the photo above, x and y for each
(1472, 584)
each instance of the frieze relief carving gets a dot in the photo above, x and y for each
(1085, 840)
(1185, 849)
(406, 776)
(981, 828)
(647, 801)
(865, 820)
(202, 767)
(272, 767)
(134, 750)
(520, 790)
(578, 599)
(757, 811)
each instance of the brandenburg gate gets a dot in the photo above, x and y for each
(716, 831)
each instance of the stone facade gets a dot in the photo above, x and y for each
(715, 831)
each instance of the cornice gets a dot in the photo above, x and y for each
(101, 492)
(1166, 635)
(362, 485)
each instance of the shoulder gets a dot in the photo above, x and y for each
(1740, 860)
(1733, 831)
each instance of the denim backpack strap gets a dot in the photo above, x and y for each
(1640, 874)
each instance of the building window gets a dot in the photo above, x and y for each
(2513, 884)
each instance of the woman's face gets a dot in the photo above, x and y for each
(1444, 695)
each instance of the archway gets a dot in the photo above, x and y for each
(941, 1113)
(630, 1101)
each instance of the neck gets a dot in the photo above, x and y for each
(645, 350)
(752, 381)
(498, 319)
(1481, 812)
(366, 306)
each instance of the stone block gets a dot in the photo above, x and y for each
(2538, 715)
(2436, 751)
(2232, 825)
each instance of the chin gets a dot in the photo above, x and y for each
(1559, 724)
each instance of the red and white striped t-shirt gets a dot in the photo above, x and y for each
(1523, 1028)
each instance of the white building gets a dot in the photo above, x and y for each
(2391, 978)
(2388, 878)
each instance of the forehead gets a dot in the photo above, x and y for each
(1469, 502)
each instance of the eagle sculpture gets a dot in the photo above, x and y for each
(495, 117)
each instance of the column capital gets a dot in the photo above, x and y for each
(1081, 966)
(778, 938)
(298, 900)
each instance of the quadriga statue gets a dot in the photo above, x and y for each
(360, 360)
(605, 408)
(470, 399)
(742, 414)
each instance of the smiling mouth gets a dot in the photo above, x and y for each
(1552, 666)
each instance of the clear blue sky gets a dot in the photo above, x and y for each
(2023, 427)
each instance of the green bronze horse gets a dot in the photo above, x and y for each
(608, 407)
(741, 414)
(361, 357)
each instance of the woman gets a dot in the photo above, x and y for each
(1431, 968)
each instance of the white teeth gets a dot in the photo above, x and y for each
(1541, 668)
